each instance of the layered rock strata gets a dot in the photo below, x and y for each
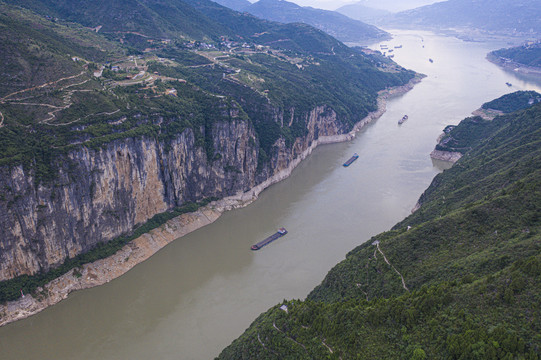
(128, 182)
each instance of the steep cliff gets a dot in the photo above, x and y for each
(104, 193)
(102, 146)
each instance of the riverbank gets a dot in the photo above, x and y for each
(510, 65)
(454, 156)
(142, 248)
(448, 156)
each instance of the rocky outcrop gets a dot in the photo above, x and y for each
(454, 156)
(101, 194)
(450, 156)
(105, 270)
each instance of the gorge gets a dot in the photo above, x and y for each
(200, 293)
(120, 153)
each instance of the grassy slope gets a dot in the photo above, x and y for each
(471, 261)
(347, 81)
(34, 50)
(157, 19)
(474, 129)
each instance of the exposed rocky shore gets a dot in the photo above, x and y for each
(140, 249)
(454, 156)
(514, 66)
(449, 156)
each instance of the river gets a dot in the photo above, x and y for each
(196, 295)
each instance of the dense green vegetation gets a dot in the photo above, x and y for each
(348, 86)
(300, 74)
(470, 258)
(11, 289)
(462, 138)
(472, 130)
(155, 19)
(525, 55)
(35, 50)
(512, 102)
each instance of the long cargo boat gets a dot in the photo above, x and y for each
(404, 118)
(281, 232)
(351, 160)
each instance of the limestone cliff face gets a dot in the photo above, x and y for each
(101, 194)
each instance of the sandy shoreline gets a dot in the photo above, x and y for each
(140, 249)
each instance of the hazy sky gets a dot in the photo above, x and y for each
(390, 5)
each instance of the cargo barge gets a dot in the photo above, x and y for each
(351, 160)
(281, 232)
(404, 118)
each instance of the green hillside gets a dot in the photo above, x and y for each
(157, 19)
(264, 62)
(512, 102)
(458, 279)
(527, 55)
(137, 21)
(35, 50)
(474, 129)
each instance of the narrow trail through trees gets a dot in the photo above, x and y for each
(376, 243)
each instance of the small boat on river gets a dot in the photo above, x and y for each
(351, 160)
(404, 118)
(281, 232)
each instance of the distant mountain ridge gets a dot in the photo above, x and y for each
(238, 5)
(152, 18)
(510, 17)
(385, 5)
(361, 12)
(135, 21)
(333, 23)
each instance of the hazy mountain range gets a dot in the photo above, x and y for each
(364, 13)
(333, 23)
(508, 17)
(387, 5)
(520, 17)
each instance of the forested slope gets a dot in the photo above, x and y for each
(458, 279)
